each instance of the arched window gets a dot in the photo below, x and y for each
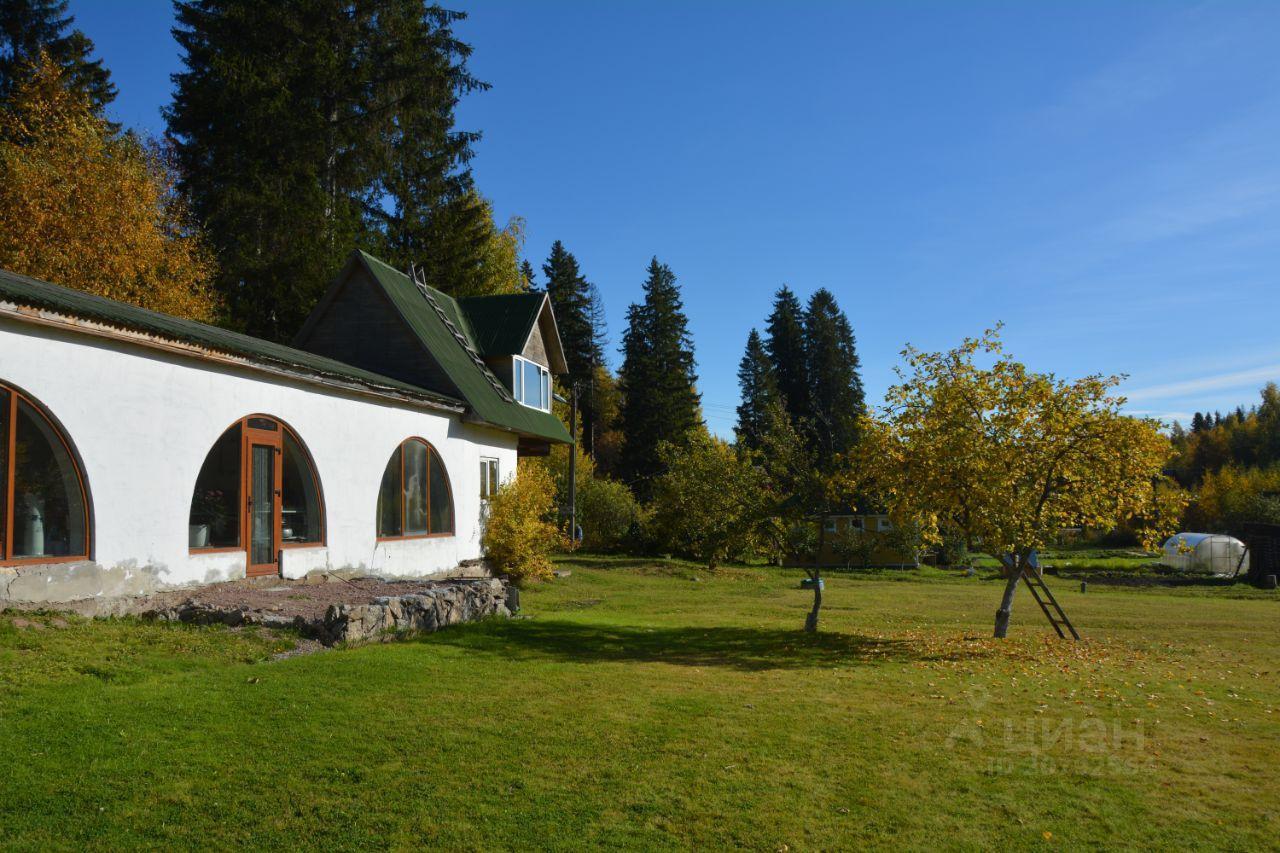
(415, 499)
(44, 506)
(257, 490)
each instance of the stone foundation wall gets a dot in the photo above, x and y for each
(450, 602)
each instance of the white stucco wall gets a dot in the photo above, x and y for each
(142, 422)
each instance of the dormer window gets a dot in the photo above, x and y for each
(531, 383)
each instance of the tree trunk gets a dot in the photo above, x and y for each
(1006, 602)
(811, 621)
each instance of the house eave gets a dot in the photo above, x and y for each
(51, 319)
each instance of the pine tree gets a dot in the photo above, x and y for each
(305, 128)
(659, 400)
(759, 389)
(784, 342)
(28, 27)
(1197, 422)
(837, 401)
(572, 299)
(526, 270)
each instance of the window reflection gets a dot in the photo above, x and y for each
(215, 503)
(414, 498)
(48, 505)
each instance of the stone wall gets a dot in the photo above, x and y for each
(443, 603)
(424, 612)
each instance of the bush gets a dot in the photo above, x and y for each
(709, 501)
(607, 512)
(520, 534)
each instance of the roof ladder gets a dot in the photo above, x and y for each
(460, 338)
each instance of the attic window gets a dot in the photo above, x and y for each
(531, 384)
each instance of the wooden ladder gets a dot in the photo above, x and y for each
(1040, 592)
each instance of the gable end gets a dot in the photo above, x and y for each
(356, 323)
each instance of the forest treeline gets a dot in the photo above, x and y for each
(301, 129)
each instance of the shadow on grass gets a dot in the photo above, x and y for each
(749, 649)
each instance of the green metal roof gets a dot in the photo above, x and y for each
(426, 310)
(22, 290)
(500, 325)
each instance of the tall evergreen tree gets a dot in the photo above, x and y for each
(427, 183)
(526, 270)
(307, 127)
(597, 319)
(570, 294)
(759, 388)
(659, 400)
(28, 27)
(571, 297)
(837, 401)
(784, 342)
(598, 411)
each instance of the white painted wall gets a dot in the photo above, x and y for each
(143, 421)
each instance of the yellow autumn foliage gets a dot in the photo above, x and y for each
(92, 210)
(1006, 457)
(1233, 495)
(520, 532)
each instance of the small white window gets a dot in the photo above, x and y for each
(830, 525)
(884, 524)
(531, 384)
(488, 478)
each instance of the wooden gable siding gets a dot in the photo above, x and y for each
(360, 327)
(536, 349)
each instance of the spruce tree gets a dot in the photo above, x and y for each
(659, 400)
(837, 401)
(305, 128)
(784, 342)
(759, 388)
(571, 297)
(597, 409)
(28, 27)
(597, 319)
(526, 270)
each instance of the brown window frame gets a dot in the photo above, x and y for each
(448, 483)
(9, 476)
(489, 484)
(245, 468)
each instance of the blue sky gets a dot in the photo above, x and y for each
(1104, 178)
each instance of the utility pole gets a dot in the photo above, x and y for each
(573, 465)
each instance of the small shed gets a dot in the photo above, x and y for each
(1206, 552)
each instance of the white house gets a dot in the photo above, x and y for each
(139, 450)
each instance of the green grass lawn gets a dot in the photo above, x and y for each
(644, 705)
